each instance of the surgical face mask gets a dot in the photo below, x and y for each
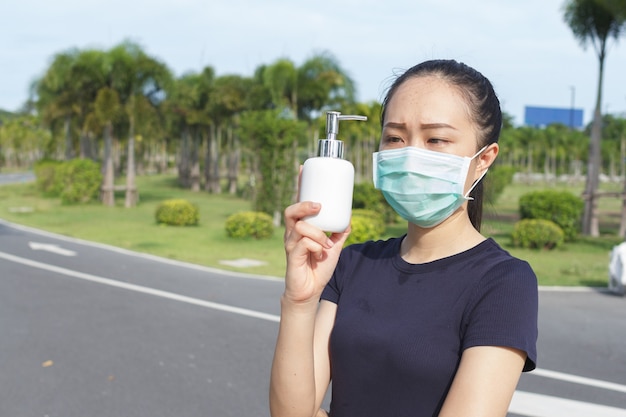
(424, 187)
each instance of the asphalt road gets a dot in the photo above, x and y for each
(90, 330)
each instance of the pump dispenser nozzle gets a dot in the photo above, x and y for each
(331, 147)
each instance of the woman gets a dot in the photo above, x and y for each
(439, 322)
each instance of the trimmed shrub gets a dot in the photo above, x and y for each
(562, 207)
(45, 172)
(74, 181)
(366, 225)
(537, 234)
(367, 197)
(78, 181)
(250, 224)
(177, 212)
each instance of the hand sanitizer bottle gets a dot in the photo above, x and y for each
(328, 179)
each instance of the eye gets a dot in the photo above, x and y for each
(391, 142)
(437, 142)
(391, 139)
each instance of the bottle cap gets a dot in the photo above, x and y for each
(331, 147)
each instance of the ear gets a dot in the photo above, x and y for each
(485, 159)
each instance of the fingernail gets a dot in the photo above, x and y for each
(315, 205)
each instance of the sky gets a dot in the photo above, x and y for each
(524, 47)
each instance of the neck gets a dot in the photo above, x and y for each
(455, 235)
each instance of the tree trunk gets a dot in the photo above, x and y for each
(194, 173)
(108, 192)
(131, 186)
(590, 226)
(69, 146)
(87, 149)
(211, 166)
(183, 161)
(234, 158)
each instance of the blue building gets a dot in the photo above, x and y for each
(544, 116)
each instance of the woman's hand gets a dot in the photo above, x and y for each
(311, 254)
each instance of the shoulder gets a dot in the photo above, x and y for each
(374, 249)
(506, 287)
(503, 307)
(502, 266)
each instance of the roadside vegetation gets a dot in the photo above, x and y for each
(583, 262)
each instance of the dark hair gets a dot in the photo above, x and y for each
(483, 104)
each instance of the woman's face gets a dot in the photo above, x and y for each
(427, 112)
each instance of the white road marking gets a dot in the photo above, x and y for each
(51, 248)
(141, 255)
(539, 405)
(140, 288)
(579, 380)
(523, 403)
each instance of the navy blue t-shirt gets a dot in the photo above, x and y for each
(401, 328)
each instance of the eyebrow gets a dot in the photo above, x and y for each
(427, 126)
(424, 126)
(395, 125)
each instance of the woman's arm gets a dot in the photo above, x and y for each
(301, 366)
(484, 383)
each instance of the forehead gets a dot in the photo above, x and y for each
(428, 99)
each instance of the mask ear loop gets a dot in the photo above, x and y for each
(480, 151)
(466, 196)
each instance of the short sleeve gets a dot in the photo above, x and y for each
(504, 310)
(331, 291)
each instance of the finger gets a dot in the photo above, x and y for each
(340, 238)
(314, 233)
(298, 211)
(306, 248)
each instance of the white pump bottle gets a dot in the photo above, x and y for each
(328, 179)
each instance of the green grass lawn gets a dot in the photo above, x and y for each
(584, 262)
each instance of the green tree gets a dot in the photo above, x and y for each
(591, 21)
(22, 141)
(56, 95)
(229, 99)
(323, 85)
(107, 110)
(271, 135)
(139, 79)
(66, 92)
(89, 76)
(187, 105)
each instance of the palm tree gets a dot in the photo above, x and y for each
(228, 100)
(187, 104)
(592, 21)
(88, 77)
(107, 109)
(56, 95)
(135, 75)
(67, 91)
(322, 84)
